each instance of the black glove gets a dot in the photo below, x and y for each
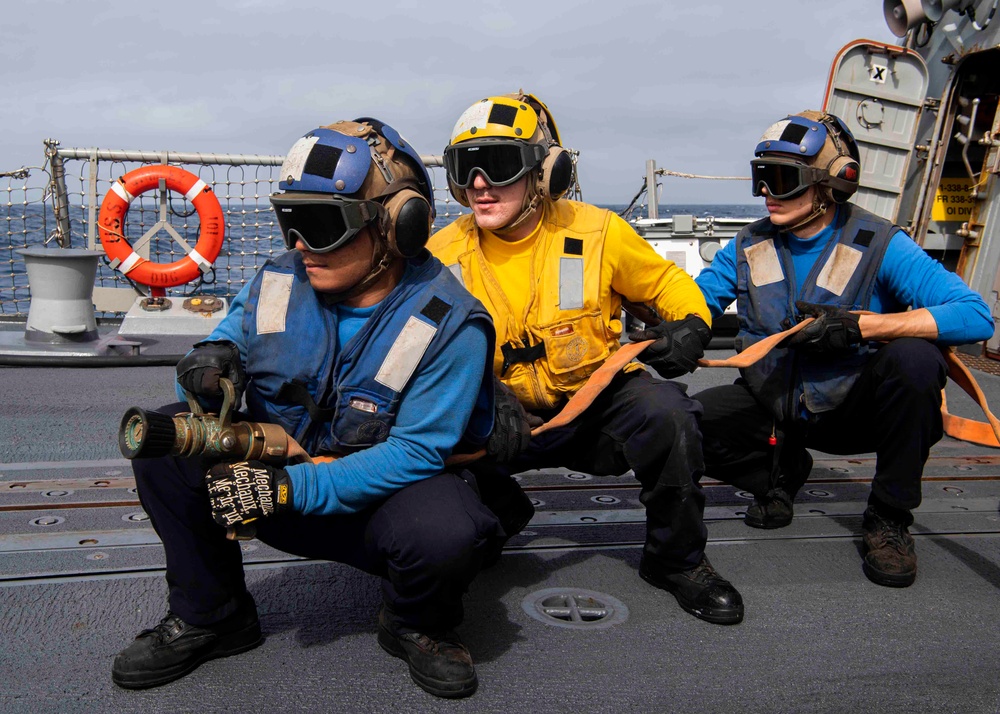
(247, 490)
(511, 425)
(835, 329)
(678, 347)
(200, 369)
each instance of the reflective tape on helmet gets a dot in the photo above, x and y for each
(793, 135)
(496, 117)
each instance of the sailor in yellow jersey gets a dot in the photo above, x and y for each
(553, 273)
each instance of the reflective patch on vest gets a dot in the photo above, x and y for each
(765, 266)
(456, 270)
(272, 303)
(405, 354)
(570, 283)
(839, 269)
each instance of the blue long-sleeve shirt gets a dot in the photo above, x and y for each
(907, 277)
(433, 413)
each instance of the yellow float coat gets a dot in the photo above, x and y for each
(563, 286)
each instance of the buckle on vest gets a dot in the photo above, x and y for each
(513, 355)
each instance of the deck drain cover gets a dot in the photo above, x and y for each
(574, 608)
(605, 500)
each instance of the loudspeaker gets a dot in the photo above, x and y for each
(903, 15)
(935, 9)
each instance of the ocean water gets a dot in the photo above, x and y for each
(252, 236)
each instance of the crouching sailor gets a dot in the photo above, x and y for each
(359, 344)
(834, 386)
(553, 273)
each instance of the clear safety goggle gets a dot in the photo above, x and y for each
(783, 178)
(501, 162)
(322, 222)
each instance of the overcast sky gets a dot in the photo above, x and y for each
(691, 85)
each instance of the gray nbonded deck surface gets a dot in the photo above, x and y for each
(818, 636)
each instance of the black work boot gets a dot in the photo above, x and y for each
(174, 648)
(701, 591)
(890, 557)
(442, 667)
(773, 510)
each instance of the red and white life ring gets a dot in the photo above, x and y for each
(111, 220)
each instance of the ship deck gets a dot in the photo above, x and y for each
(81, 572)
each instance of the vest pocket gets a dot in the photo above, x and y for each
(362, 418)
(571, 346)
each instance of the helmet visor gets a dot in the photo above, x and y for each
(500, 162)
(783, 178)
(322, 222)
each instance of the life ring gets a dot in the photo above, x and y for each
(111, 221)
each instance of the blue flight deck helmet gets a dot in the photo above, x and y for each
(803, 150)
(339, 178)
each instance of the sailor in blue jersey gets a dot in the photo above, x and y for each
(361, 345)
(846, 383)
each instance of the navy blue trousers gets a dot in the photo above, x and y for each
(894, 410)
(639, 423)
(426, 542)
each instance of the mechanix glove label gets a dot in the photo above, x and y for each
(246, 490)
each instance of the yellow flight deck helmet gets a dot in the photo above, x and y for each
(504, 138)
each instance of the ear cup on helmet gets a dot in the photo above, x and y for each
(409, 223)
(844, 175)
(556, 173)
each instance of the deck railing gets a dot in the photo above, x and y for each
(58, 203)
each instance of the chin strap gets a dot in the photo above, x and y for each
(532, 200)
(381, 260)
(819, 208)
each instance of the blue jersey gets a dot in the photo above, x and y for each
(907, 277)
(433, 412)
